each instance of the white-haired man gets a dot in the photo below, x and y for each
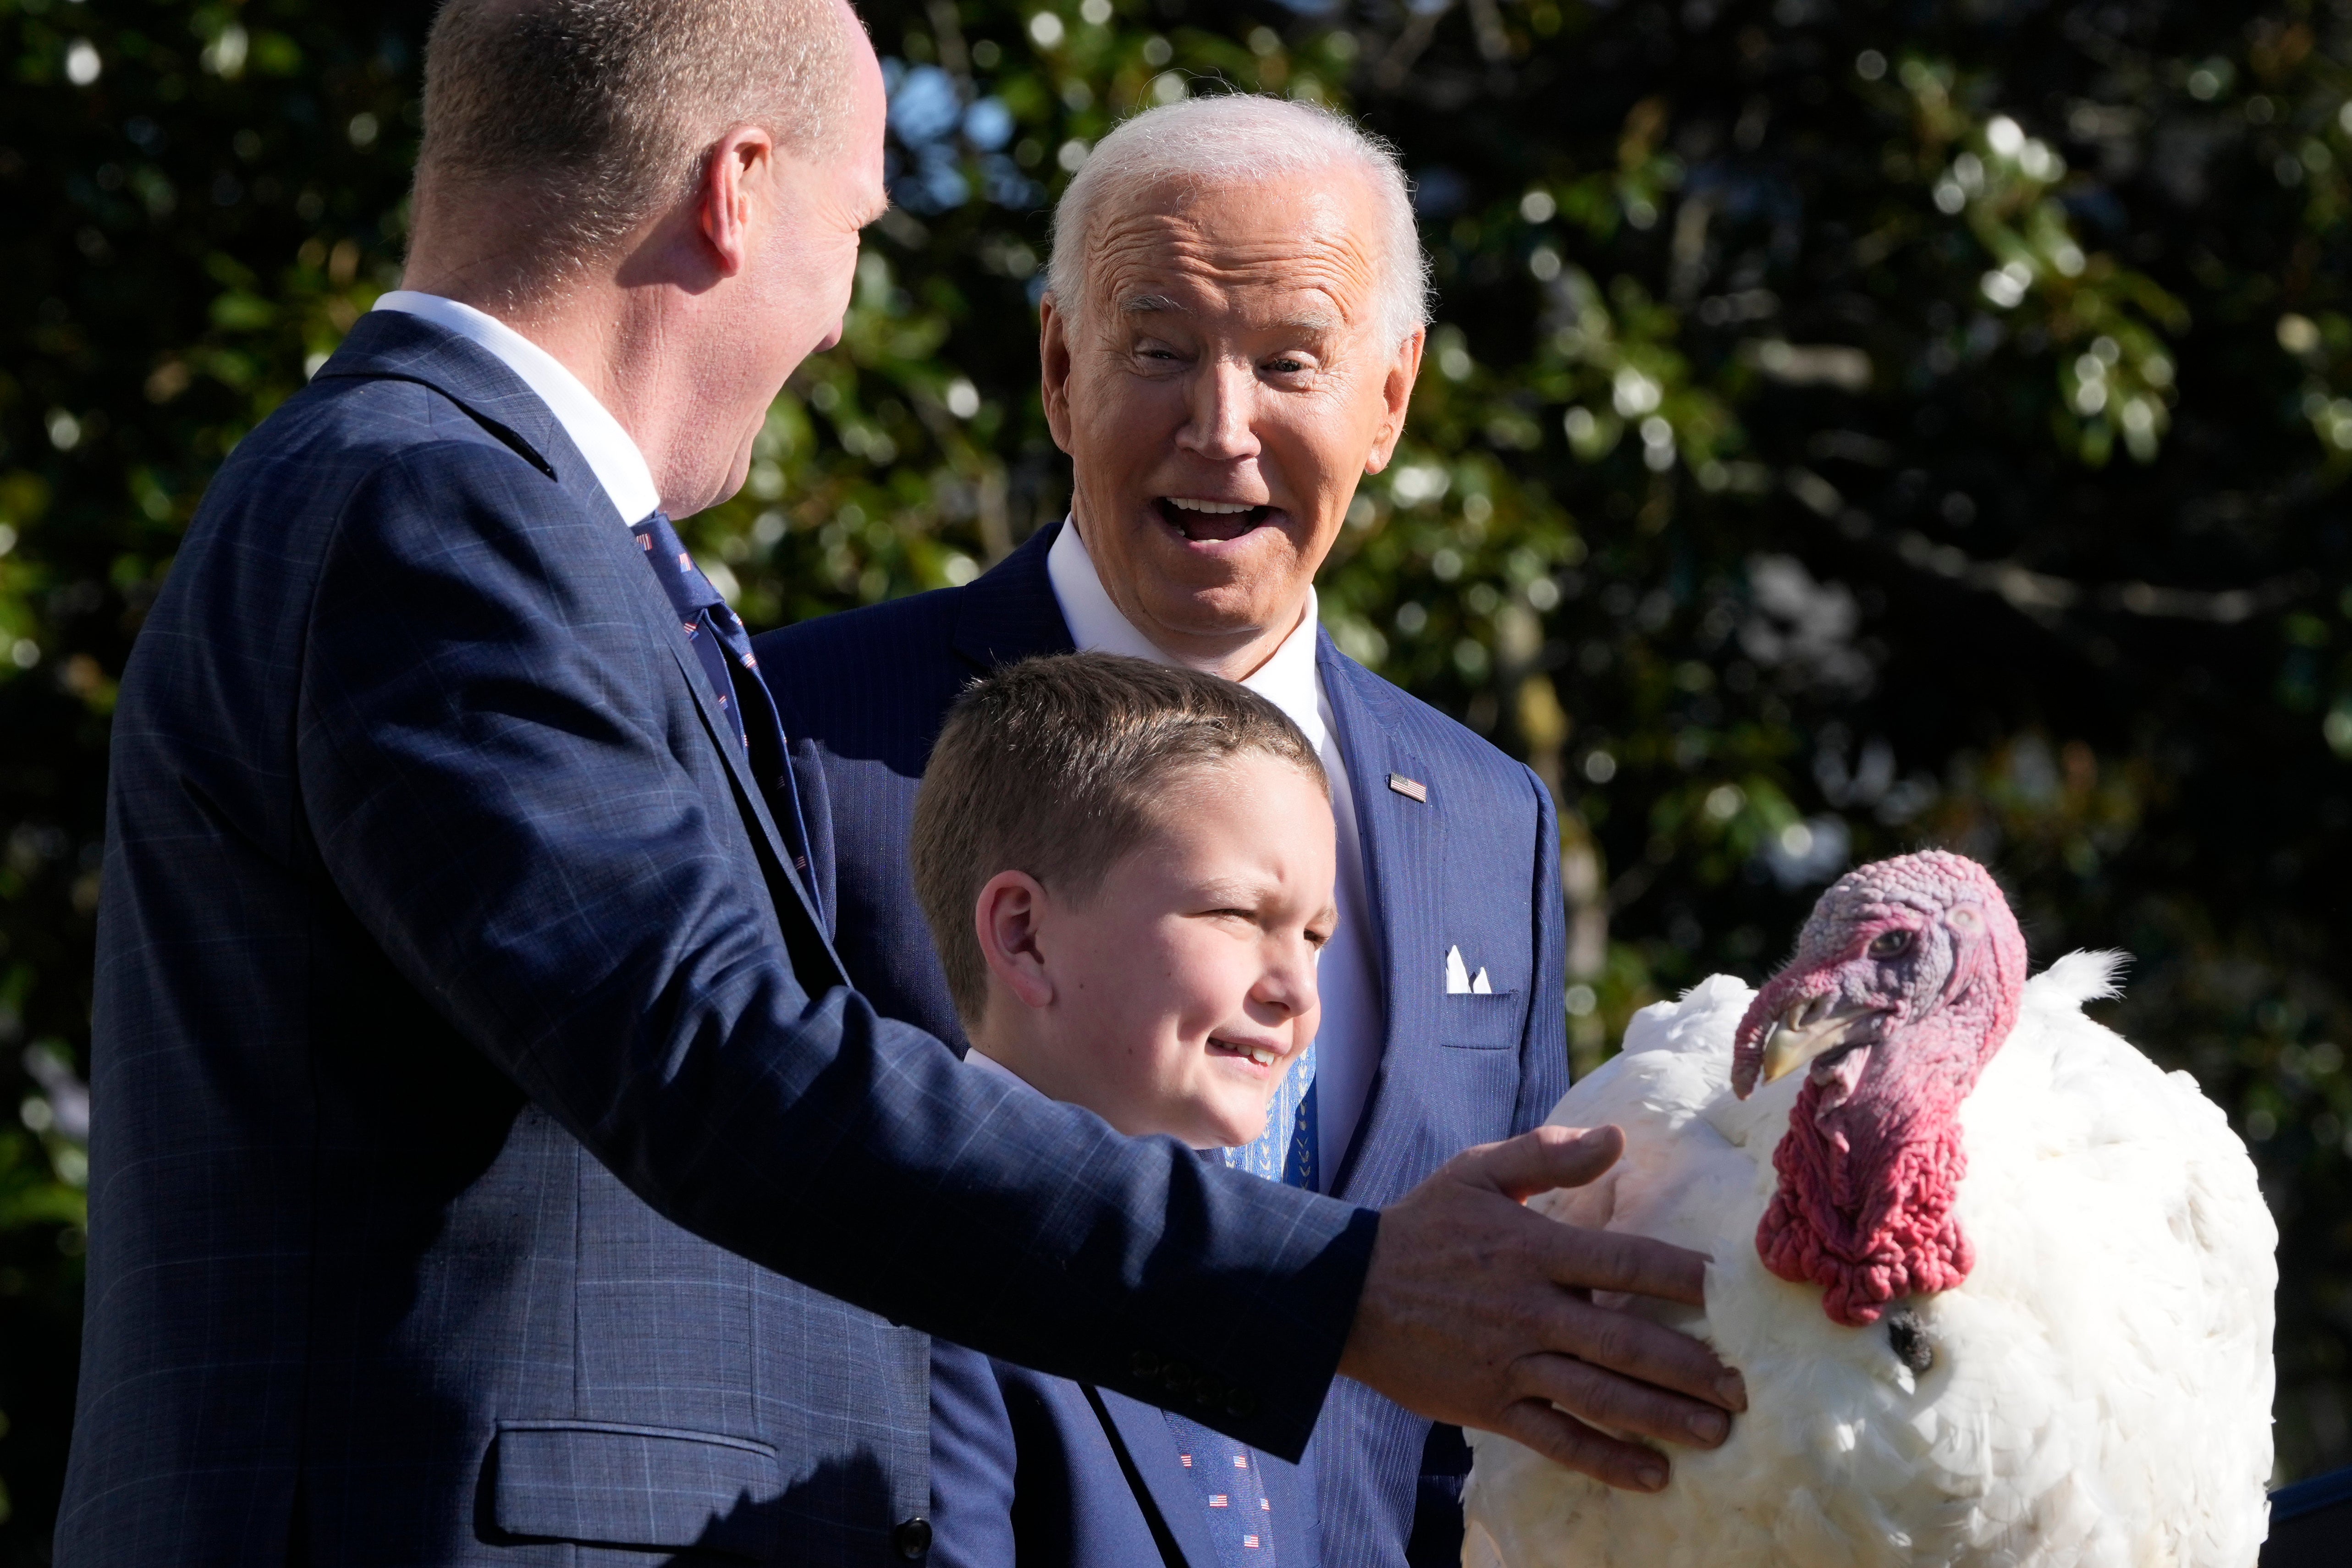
(1230, 336)
(474, 1076)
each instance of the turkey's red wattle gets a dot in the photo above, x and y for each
(1871, 1165)
(1869, 1219)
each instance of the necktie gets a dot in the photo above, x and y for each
(1285, 1151)
(723, 648)
(1241, 1519)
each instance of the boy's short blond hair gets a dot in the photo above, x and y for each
(1054, 767)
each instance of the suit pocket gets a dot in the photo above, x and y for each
(602, 1483)
(1481, 1022)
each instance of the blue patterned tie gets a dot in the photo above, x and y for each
(724, 649)
(1285, 1151)
(1241, 1519)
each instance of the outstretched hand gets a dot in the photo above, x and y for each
(1478, 1311)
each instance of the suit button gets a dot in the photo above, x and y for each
(913, 1539)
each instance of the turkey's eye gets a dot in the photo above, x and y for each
(1888, 944)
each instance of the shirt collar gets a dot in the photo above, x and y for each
(620, 468)
(981, 1062)
(1287, 679)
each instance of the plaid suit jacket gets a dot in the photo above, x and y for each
(472, 1081)
(1474, 863)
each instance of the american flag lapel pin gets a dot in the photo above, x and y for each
(1411, 789)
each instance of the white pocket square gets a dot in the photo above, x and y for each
(1459, 982)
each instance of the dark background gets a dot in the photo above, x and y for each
(1747, 495)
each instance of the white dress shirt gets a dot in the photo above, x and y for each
(611, 456)
(1348, 1043)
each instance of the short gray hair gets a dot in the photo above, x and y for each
(1236, 138)
(596, 114)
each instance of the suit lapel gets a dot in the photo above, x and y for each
(394, 345)
(1010, 612)
(813, 955)
(1140, 1432)
(1403, 843)
(815, 791)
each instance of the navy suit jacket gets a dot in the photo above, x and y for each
(1475, 864)
(2311, 1523)
(1029, 1471)
(472, 1078)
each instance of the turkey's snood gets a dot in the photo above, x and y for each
(1871, 1162)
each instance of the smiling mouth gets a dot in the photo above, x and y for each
(1262, 1055)
(1198, 519)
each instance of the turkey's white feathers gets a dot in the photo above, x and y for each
(2100, 1391)
(2084, 975)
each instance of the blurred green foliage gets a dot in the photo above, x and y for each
(1847, 426)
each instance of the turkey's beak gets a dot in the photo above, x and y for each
(1811, 1028)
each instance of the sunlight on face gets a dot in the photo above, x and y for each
(1184, 988)
(1224, 387)
(813, 209)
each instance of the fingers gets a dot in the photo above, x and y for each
(1474, 1312)
(1568, 1402)
(1538, 1161)
(1617, 1260)
(1602, 1398)
(1640, 1351)
(1565, 1440)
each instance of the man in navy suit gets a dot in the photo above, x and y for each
(480, 1105)
(1228, 340)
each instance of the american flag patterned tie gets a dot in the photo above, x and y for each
(1241, 1517)
(723, 648)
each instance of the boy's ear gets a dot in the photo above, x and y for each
(1006, 917)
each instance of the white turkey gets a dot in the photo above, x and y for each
(2000, 1287)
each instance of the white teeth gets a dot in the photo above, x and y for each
(1262, 1056)
(1218, 508)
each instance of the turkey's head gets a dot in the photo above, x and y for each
(1907, 980)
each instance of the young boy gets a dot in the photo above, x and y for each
(1127, 871)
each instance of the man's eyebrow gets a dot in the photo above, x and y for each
(1147, 304)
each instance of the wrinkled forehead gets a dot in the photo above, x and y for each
(1914, 886)
(1300, 248)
